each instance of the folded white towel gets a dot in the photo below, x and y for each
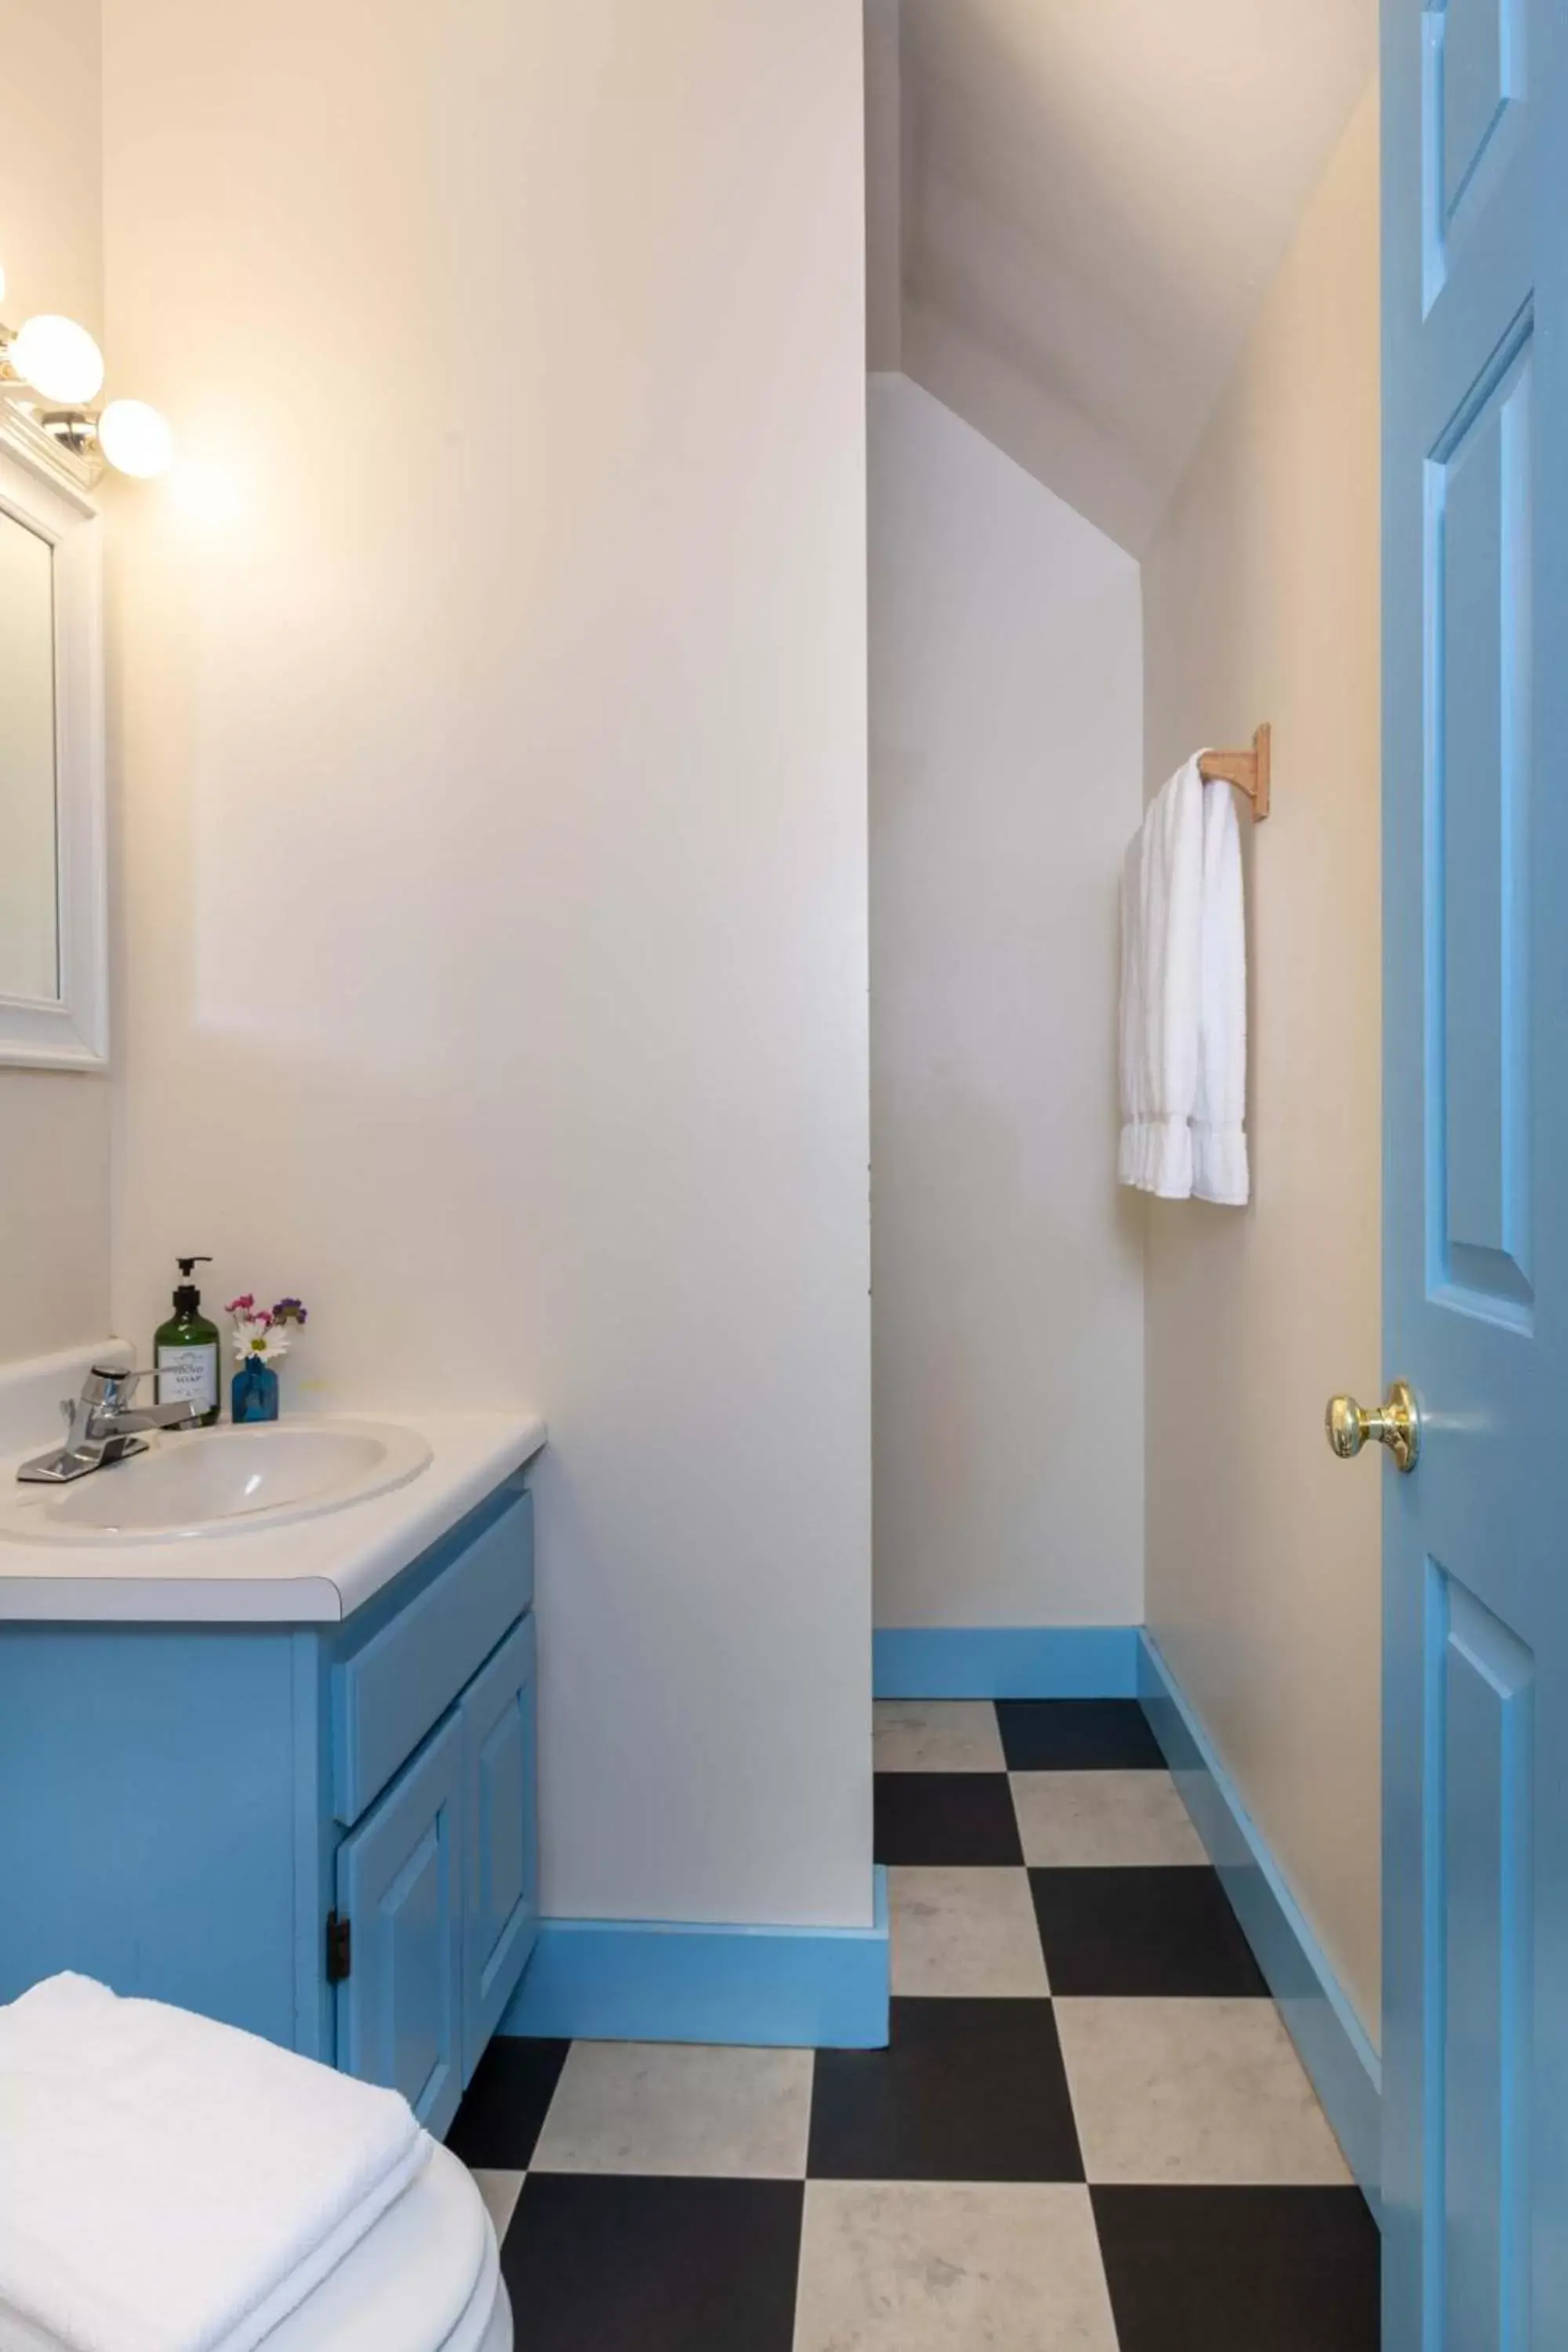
(1183, 997)
(171, 2185)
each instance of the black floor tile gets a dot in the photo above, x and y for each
(504, 2107)
(946, 1817)
(1077, 1735)
(1141, 1933)
(612, 2263)
(1240, 2270)
(968, 2090)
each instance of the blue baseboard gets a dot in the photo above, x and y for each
(1333, 2042)
(1005, 1662)
(647, 1980)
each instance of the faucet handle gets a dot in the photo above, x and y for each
(108, 1389)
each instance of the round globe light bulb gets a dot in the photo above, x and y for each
(136, 439)
(58, 359)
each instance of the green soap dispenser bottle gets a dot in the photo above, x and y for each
(185, 1349)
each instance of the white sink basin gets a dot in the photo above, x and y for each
(216, 1482)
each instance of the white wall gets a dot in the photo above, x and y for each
(54, 1125)
(1099, 192)
(494, 805)
(1261, 602)
(1007, 731)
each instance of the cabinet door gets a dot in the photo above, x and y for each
(399, 1887)
(500, 1834)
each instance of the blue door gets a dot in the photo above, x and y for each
(501, 1835)
(1476, 1173)
(400, 2007)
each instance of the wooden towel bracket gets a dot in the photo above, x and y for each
(1247, 771)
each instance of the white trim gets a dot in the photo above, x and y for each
(40, 489)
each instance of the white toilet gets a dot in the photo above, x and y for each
(427, 2278)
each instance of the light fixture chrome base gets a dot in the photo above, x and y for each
(72, 429)
(22, 431)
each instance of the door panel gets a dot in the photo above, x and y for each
(1475, 2186)
(1479, 783)
(501, 1837)
(399, 2010)
(1479, 1905)
(1473, 70)
(1482, 57)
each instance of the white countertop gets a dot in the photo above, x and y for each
(308, 1572)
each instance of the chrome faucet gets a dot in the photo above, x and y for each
(103, 1426)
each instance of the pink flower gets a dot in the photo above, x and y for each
(241, 1306)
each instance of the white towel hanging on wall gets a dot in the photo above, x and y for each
(1219, 1111)
(1183, 997)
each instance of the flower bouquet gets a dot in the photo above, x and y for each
(262, 1339)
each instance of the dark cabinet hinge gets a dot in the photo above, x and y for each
(340, 1948)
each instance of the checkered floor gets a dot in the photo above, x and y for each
(1090, 2133)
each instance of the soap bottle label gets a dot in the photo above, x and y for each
(188, 1376)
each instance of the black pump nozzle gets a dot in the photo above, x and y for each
(188, 1298)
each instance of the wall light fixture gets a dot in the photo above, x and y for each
(57, 360)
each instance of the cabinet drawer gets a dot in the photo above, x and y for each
(387, 1695)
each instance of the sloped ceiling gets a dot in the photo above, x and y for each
(1090, 198)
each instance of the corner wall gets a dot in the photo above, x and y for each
(492, 690)
(54, 1124)
(1261, 602)
(1005, 780)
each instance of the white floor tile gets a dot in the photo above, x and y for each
(922, 1734)
(500, 2192)
(923, 2266)
(965, 1933)
(677, 2107)
(1193, 2091)
(1074, 1820)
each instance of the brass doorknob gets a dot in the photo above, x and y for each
(1396, 1423)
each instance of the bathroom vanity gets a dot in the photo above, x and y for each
(288, 1777)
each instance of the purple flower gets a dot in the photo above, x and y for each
(290, 1310)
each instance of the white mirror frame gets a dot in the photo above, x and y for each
(46, 490)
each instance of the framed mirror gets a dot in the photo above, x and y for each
(53, 1011)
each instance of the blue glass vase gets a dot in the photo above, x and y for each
(255, 1391)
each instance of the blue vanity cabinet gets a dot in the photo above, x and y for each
(325, 1834)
